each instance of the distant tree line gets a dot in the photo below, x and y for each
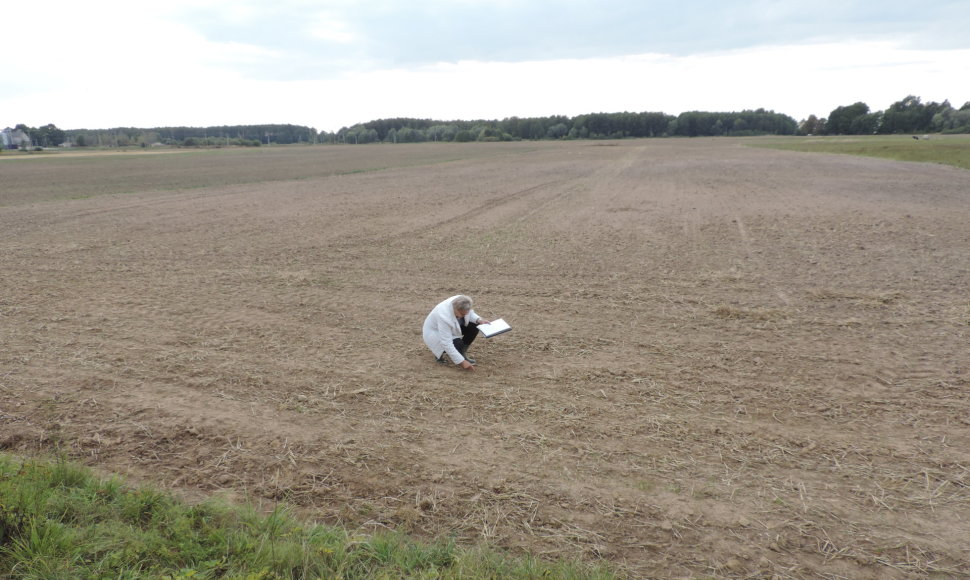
(589, 126)
(408, 130)
(236, 135)
(46, 136)
(909, 115)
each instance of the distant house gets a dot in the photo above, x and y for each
(14, 138)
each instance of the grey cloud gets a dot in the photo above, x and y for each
(428, 31)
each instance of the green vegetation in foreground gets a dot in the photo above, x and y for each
(58, 521)
(946, 149)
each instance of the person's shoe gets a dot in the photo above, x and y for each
(441, 359)
(470, 360)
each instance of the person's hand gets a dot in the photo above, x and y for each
(483, 321)
(467, 365)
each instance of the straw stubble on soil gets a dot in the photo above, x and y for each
(726, 361)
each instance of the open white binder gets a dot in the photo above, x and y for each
(494, 328)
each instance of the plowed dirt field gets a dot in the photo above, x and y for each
(726, 361)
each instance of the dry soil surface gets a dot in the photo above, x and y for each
(726, 361)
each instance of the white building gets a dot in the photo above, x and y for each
(14, 138)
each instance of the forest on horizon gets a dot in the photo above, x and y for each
(909, 115)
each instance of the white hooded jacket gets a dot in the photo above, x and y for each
(442, 327)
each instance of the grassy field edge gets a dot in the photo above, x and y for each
(58, 520)
(951, 150)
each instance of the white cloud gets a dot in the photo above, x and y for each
(794, 80)
(107, 63)
(330, 27)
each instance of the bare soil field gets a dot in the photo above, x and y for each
(726, 361)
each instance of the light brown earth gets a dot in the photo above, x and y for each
(726, 361)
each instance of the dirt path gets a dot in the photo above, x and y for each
(726, 361)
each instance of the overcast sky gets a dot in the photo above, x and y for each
(332, 63)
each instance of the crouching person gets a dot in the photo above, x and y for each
(450, 329)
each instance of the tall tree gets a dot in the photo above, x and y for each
(812, 126)
(906, 116)
(841, 118)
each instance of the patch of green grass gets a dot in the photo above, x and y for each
(945, 149)
(58, 521)
(646, 486)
